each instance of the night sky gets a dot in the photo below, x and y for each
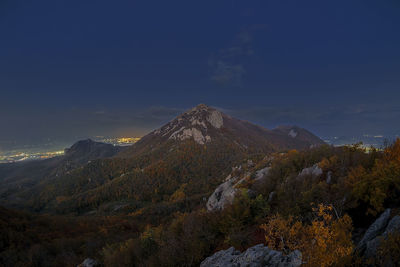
(71, 69)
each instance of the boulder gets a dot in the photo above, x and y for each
(378, 231)
(257, 256)
(393, 226)
(373, 245)
(224, 194)
(261, 174)
(88, 262)
(374, 230)
(314, 171)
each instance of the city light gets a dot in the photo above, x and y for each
(118, 141)
(25, 155)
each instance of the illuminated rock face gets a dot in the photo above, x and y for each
(194, 133)
(215, 119)
(224, 194)
(292, 133)
(195, 123)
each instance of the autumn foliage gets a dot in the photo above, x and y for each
(379, 184)
(323, 242)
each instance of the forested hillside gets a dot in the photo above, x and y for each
(322, 214)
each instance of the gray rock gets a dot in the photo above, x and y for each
(292, 133)
(257, 256)
(261, 174)
(252, 256)
(373, 245)
(393, 226)
(374, 230)
(88, 262)
(314, 171)
(271, 196)
(221, 258)
(377, 232)
(329, 177)
(224, 194)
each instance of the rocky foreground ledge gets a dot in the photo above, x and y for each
(257, 256)
(262, 256)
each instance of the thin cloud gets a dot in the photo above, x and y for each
(227, 66)
(225, 73)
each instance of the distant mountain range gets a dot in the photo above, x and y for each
(194, 150)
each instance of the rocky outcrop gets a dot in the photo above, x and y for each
(374, 230)
(223, 195)
(292, 133)
(257, 256)
(215, 119)
(297, 133)
(379, 230)
(314, 171)
(88, 262)
(261, 174)
(329, 177)
(373, 245)
(191, 133)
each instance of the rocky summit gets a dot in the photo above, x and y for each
(195, 123)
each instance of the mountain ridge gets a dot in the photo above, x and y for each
(20, 176)
(205, 125)
(195, 151)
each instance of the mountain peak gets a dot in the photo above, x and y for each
(201, 107)
(203, 114)
(197, 111)
(196, 123)
(90, 149)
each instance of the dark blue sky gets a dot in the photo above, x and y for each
(70, 69)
